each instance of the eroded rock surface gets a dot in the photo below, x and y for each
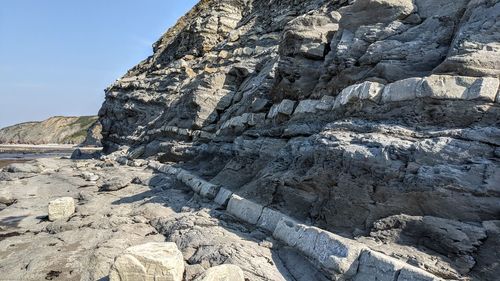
(346, 115)
(155, 209)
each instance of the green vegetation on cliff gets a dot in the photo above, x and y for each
(56, 130)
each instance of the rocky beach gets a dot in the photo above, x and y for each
(18, 153)
(280, 140)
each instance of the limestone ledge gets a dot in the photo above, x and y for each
(441, 87)
(338, 256)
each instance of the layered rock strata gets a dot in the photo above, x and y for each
(341, 258)
(338, 114)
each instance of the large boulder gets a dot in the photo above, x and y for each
(149, 262)
(225, 272)
(61, 208)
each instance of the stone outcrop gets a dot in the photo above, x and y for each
(152, 261)
(84, 130)
(350, 117)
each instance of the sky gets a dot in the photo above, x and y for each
(58, 56)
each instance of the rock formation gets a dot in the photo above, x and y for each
(373, 119)
(84, 130)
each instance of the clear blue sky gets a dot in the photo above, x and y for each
(57, 56)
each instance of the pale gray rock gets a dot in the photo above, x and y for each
(460, 87)
(88, 176)
(223, 196)
(244, 209)
(285, 107)
(364, 91)
(335, 254)
(270, 218)
(407, 89)
(306, 106)
(61, 208)
(375, 266)
(148, 262)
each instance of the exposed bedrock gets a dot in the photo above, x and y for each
(337, 113)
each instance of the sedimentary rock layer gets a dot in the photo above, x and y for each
(342, 114)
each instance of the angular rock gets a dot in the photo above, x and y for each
(375, 266)
(335, 254)
(270, 219)
(460, 87)
(403, 90)
(223, 196)
(61, 208)
(285, 107)
(244, 209)
(149, 262)
(306, 106)
(209, 190)
(364, 91)
(415, 274)
(88, 176)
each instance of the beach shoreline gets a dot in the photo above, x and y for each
(18, 153)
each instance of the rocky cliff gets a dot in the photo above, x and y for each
(375, 119)
(55, 130)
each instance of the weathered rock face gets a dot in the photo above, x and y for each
(56, 130)
(338, 113)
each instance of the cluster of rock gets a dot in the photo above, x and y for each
(343, 115)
